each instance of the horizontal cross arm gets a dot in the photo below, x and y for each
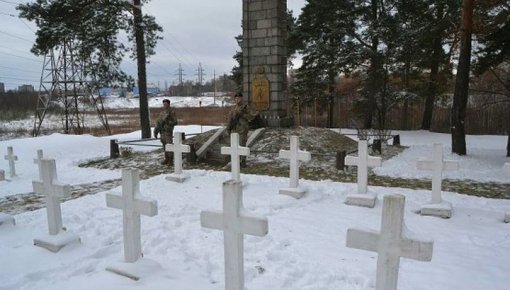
(420, 250)
(351, 160)
(254, 225)
(367, 240)
(284, 154)
(212, 220)
(450, 165)
(146, 207)
(114, 201)
(374, 161)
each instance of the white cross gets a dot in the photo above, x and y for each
(132, 207)
(295, 155)
(11, 158)
(53, 192)
(38, 161)
(234, 222)
(177, 148)
(437, 165)
(235, 152)
(363, 162)
(390, 243)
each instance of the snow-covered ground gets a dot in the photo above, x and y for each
(114, 102)
(486, 156)
(305, 248)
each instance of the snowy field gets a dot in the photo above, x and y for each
(305, 248)
(113, 102)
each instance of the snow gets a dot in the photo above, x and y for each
(484, 162)
(113, 102)
(305, 248)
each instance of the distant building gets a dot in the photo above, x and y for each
(2, 88)
(26, 89)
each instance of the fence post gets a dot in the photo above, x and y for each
(396, 140)
(114, 149)
(340, 160)
(377, 146)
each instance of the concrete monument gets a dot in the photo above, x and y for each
(53, 192)
(295, 156)
(132, 207)
(235, 151)
(177, 148)
(391, 243)
(437, 165)
(235, 222)
(362, 162)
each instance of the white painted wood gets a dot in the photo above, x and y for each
(53, 193)
(38, 162)
(235, 222)
(437, 165)
(132, 207)
(390, 243)
(202, 150)
(11, 158)
(235, 151)
(295, 156)
(178, 149)
(363, 162)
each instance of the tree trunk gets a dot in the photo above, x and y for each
(460, 96)
(373, 71)
(142, 75)
(508, 145)
(431, 90)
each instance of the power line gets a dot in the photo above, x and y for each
(6, 53)
(19, 69)
(18, 37)
(18, 79)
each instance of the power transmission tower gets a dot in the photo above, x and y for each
(180, 73)
(63, 81)
(200, 75)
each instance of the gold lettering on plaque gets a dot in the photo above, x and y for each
(260, 91)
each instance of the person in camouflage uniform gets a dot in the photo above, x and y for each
(165, 128)
(239, 122)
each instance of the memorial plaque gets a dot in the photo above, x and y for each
(260, 93)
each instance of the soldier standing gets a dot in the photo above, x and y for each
(239, 122)
(165, 127)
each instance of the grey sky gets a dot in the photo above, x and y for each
(194, 31)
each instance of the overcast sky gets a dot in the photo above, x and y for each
(194, 31)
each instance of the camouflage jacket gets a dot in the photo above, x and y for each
(166, 122)
(239, 119)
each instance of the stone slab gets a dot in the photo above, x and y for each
(296, 192)
(442, 210)
(180, 178)
(254, 135)
(363, 199)
(6, 220)
(55, 243)
(138, 270)
(202, 150)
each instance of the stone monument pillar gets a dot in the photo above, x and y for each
(265, 59)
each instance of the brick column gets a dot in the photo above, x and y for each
(264, 45)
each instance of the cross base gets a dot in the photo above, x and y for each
(138, 270)
(361, 199)
(295, 192)
(54, 243)
(6, 220)
(180, 178)
(442, 210)
(507, 217)
(2, 174)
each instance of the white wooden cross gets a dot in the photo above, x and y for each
(132, 207)
(235, 151)
(363, 162)
(177, 148)
(235, 222)
(38, 161)
(11, 158)
(53, 192)
(390, 243)
(295, 156)
(437, 165)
